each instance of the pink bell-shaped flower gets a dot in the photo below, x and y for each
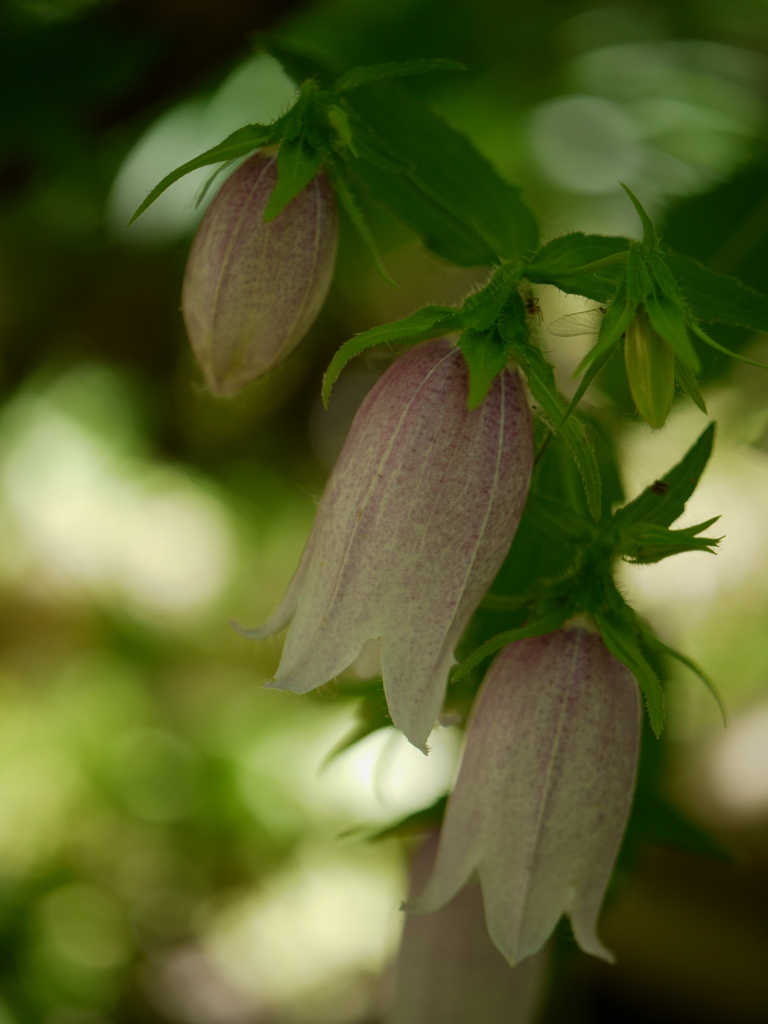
(544, 791)
(416, 519)
(252, 290)
(449, 972)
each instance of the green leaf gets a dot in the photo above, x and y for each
(646, 542)
(541, 381)
(356, 77)
(486, 354)
(657, 645)
(546, 624)
(589, 375)
(564, 262)
(649, 235)
(718, 298)
(417, 823)
(689, 385)
(621, 639)
(721, 348)
(371, 714)
(451, 195)
(297, 165)
(353, 211)
(559, 521)
(664, 501)
(244, 140)
(429, 322)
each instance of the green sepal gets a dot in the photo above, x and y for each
(699, 332)
(481, 310)
(559, 521)
(718, 298)
(664, 501)
(688, 384)
(620, 632)
(647, 543)
(590, 373)
(239, 143)
(669, 320)
(639, 283)
(297, 165)
(569, 263)
(541, 381)
(661, 648)
(617, 318)
(356, 77)
(545, 624)
(429, 322)
(486, 354)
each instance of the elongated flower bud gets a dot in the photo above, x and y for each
(544, 791)
(650, 364)
(416, 519)
(252, 290)
(448, 970)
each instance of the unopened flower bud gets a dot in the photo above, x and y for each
(650, 364)
(544, 791)
(416, 519)
(252, 290)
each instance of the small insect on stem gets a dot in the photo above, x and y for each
(532, 307)
(659, 487)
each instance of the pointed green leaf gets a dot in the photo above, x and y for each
(546, 624)
(647, 543)
(297, 165)
(664, 501)
(561, 262)
(356, 77)
(486, 354)
(649, 235)
(689, 385)
(622, 641)
(589, 375)
(718, 298)
(244, 140)
(656, 645)
(451, 195)
(429, 322)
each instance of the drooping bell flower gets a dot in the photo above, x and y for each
(544, 791)
(449, 971)
(416, 519)
(252, 289)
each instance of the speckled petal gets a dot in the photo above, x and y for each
(417, 517)
(252, 290)
(544, 791)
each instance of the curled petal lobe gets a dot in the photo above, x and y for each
(252, 290)
(416, 519)
(544, 791)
